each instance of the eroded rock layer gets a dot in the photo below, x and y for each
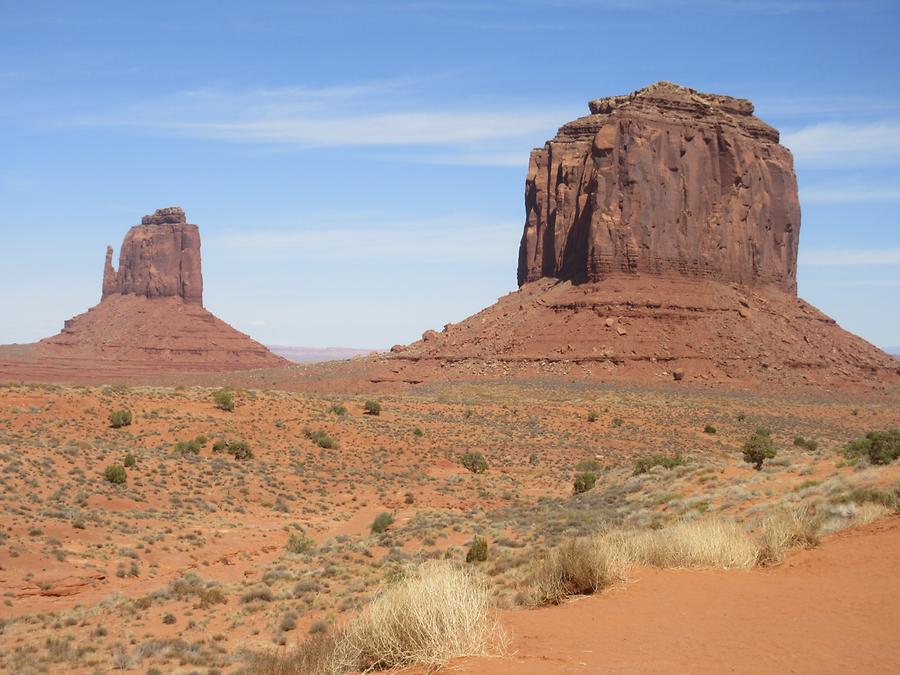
(665, 179)
(159, 258)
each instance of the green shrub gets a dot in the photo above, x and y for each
(224, 399)
(592, 416)
(879, 447)
(417, 432)
(372, 407)
(129, 460)
(585, 481)
(321, 438)
(299, 543)
(617, 422)
(474, 462)
(220, 445)
(478, 551)
(382, 522)
(192, 446)
(709, 429)
(338, 409)
(647, 462)
(240, 450)
(115, 473)
(871, 495)
(807, 443)
(120, 418)
(758, 448)
(591, 465)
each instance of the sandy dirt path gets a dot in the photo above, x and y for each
(834, 609)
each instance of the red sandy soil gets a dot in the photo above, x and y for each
(833, 609)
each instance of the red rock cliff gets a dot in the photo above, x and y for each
(663, 179)
(159, 258)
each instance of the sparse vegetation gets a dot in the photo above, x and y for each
(115, 474)
(478, 551)
(321, 438)
(120, 418)
(879, 447)
(807, 443)
(192, 446)
(372, 407)
(382, 522)
(224, 399)
(585, 481)
(647, 462)
(474, 462)
(758, 448)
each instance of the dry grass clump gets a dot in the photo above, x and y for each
(712, 542)
(785, 530)
(589, 564)
(438, 613)
(577, 567)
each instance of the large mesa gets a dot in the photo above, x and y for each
(663, 179)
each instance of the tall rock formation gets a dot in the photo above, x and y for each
(660, 244)
(663, 179)
(159, 258)
(150, 320)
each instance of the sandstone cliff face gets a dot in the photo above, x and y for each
(159, 258)
(664, 179)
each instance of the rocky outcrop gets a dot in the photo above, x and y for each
(665, 179)
(149, 322)
(159, 258)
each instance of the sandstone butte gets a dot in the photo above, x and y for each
(660, 243)
(150, 319)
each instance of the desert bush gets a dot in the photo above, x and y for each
(417, 432)
(372, 407)
(239, 450)
(709, 429)
(879, 447)
(382, 522)
(474, 462)
(647, 462)
(258, 593)
(338, 409)
(784, 530)
(439, 612)
(588, 465)
(870, 495)
(115, 473)
(224, 399)
(299, 543)
(129, 460)
(585, 481)
(192, 446)
(577, 567)
(478, 551)
(617, 422)
(807, 443)
(321, 438)
(592, 416)
(120, 418)
(758, 448)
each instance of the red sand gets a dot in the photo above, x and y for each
(834, 609)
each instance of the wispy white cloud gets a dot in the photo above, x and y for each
(450, 239)
(841, 145)
(851, 257)
(366, 115)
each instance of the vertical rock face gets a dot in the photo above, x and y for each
(663, 179)
(159, 258)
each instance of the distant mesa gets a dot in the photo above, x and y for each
(150, 320)
(660, 244)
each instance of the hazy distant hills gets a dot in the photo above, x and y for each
(309, 354)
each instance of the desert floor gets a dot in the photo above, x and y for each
(201, 558)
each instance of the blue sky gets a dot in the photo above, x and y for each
(357, 168)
